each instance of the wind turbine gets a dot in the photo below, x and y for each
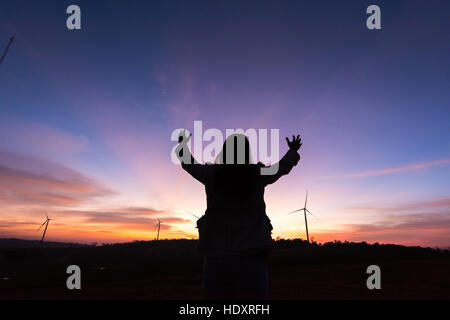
(305, 211)
(46, 222)
(197, 217)
(159, 226)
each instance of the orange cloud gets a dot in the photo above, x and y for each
(136, 218)
(424, 229)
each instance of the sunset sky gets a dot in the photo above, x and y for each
(86, 116)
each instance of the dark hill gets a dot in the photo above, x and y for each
(9, 243)
(171, 269)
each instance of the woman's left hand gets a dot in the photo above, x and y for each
(183, 137)
(295, 144)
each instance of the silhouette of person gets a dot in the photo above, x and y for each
(235, 232)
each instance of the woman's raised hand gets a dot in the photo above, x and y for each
(295, 144)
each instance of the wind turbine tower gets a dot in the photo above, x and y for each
(46, 222)
(305, 211)
(159, 226)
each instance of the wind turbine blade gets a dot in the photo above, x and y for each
(194, 215)
(306, 198)
(46, 215)
(295, 211)
(311, 213)
(190, 212)
(7, 48)
(42, 225)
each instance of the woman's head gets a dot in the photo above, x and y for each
(236, 150)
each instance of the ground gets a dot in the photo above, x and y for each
(171, 269)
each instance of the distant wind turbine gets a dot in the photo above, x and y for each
(305, 211)
(7, 48)
(159, 226)
(46, 222)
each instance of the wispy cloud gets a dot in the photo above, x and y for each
(9, 224)
(420, 222)
(40, 139)
(180, 102)
(412, 167)
(424, 229)
(26, 180)
(437, 203)
(129, 217)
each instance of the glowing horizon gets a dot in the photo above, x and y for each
(96, 222)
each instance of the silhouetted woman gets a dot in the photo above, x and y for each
(235, 232)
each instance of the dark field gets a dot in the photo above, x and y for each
(171, 269)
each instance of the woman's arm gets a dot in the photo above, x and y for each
(285, 165)
(188, 162)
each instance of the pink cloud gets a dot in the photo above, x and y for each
(41, 139)
(415, 205)
(26, 180)
(412, 167)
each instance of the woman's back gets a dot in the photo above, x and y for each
(235, 219)
(233, 187)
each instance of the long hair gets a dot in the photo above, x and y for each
(235, 150)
